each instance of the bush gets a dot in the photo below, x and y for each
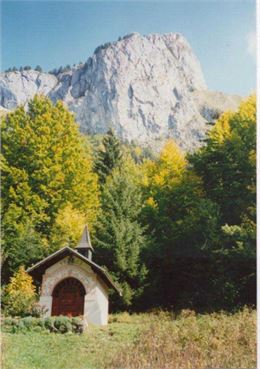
(37, 310)
(77, 325)
(29, 322)
(59, 324)
(63, 324)
(19, 294)
(49, 323)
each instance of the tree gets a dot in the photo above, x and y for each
(21, 243)
(227, 166)
(166, 170)
(227, 163)
(185, 227)
(67, 68)
(108, 156)
(38, 68)
(45, 166)
(20, 294)
(68, 227)
(119, 236)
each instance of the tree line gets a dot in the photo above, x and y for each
(174, 230)
(38, 68)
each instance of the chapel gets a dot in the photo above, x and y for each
(71, 284)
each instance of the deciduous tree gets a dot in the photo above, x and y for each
(45, 166)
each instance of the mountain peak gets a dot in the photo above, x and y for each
(147, 87)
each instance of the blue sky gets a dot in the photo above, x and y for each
(54, 33)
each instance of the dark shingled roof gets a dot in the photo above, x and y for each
(38, 269)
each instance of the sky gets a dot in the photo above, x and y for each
(55, 33)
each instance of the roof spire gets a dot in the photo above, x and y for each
(84, 245)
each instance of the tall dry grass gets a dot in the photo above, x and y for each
(211, 341)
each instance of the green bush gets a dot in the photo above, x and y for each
(29, 322)
(49, 323)
(77, 325)
(59, 324)
(63, 324)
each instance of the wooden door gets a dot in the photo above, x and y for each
(68, 298)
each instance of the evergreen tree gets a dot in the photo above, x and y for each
(120, 239)
(108, 157)
(38, 68)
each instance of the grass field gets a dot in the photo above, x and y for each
(158, 341)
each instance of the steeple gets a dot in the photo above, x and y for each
(84, 247)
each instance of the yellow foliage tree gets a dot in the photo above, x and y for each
(247, 109)
(221, 129)
(20, 293)
(167, 169)
(68, 227)
(46, 164)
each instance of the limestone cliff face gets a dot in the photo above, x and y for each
(148, 88)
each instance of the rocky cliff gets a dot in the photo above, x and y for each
(148, 88)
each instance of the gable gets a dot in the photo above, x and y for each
(68, 255)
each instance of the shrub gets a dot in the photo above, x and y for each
(63, 324)
(37, 310)
(59, 324)
(77, 325)
(49, 324)
(29, 322)
(19, 295)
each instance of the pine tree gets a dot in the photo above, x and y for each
(38, 68)
(120, 239)
(108, 157)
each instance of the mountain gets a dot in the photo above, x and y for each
(148, 88)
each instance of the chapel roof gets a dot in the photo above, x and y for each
(37, 270)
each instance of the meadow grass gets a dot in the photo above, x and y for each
(154, 341)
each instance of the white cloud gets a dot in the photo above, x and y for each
(251, 43)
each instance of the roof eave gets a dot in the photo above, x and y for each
(80, 256)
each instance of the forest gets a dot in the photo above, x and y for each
(175, 230)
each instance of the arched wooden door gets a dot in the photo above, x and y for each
(68, 298)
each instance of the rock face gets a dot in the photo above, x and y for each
(148, 88)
